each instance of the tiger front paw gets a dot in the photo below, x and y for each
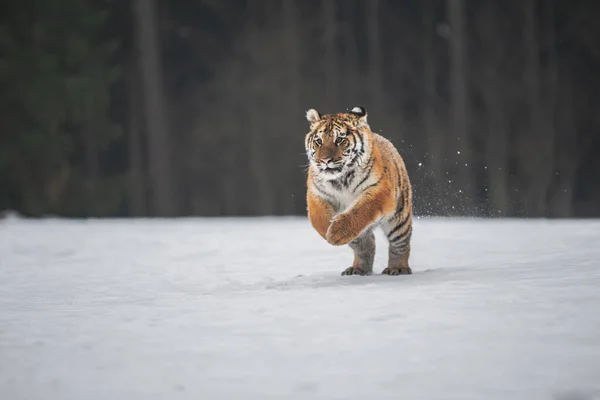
(339, 232)
(355, 271)
(397, 271)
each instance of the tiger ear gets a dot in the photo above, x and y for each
(313, 116)
(361, 113)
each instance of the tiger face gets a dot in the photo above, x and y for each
(336, 142)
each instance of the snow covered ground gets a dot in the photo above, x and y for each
(256, 309)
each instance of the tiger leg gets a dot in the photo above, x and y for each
(320, 213)
(350, 224)
(364, 254)
(399, 235)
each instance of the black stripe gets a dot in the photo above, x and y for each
(398, 227)
(358, 152)
(398, 212)
(402, 239)
(399, 181)
(324, 193)
(399, 176)
(374, 184)
(348, 179)
(367, 175)
(362, 143)
(400, 206)
(335, 184)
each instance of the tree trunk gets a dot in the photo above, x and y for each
(496, 150)
(430, 121)
(137, 178)
(92, 162)
(492, 89)
(92, 166)
(262, 174)
(534, 157)
(292, 52)
(159, 157)
(331, 56)
(374, 65)
(567, 151)
(550, 118)
(459, 107)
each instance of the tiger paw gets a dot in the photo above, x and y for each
(397, 271)
(355, 271)
(339, 232)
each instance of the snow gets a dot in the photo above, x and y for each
(257, 309)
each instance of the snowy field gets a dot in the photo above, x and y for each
(256, 309)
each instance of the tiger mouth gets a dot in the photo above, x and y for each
(332, 169)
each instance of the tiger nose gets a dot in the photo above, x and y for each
(326, 160)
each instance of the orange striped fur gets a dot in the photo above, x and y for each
(358, 181)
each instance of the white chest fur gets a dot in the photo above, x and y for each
(345, 198)
(340, 192)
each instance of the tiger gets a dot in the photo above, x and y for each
(357, 181)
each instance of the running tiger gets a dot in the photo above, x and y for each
(357, 181)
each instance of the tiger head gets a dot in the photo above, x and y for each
(336, 142)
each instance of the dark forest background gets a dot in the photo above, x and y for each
(196, 107)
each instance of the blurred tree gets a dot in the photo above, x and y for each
(137, 171)
(459, 145)
(492, 84)
(332, 67)
(374, 67)
(293, 77)
(56, 70)
(163, 181)
(214, 93)
(431, 124)
(535, 160)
